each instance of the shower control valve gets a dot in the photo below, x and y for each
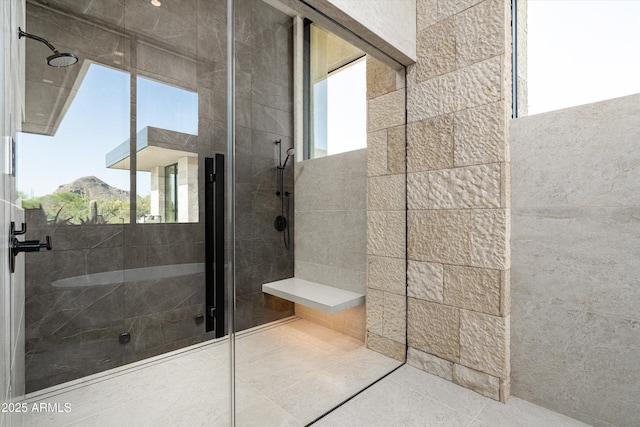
(16, 246)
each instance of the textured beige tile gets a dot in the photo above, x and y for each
(477, 289)
(381, 79)
(459, 188)
(375, 311)
(430, 144)
(505, 390)
(386, 192)
(385, 346)
(433, 97)
(505, 185)
(386, 233)
(484, 343)
(481, 134)
(480, 32)
(377, 153)
(490, 238)
(430, 363)
(436, 49)
(505, 292)
(427, 13)
(396, 149)
(448, 8)
(468, 87)
(480, 83)
(386, 274)
(480, 382)
(440, 236)
(394, 323)
(386, 315)
(434, 328)
(386, 111)
(425, 281)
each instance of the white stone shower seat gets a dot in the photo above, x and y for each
(315, 295)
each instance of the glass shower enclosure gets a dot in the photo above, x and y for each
(170, 170)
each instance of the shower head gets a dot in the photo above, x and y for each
(61, 59)
(58, 59)
(290, 152)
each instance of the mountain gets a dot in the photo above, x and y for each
(94, 189)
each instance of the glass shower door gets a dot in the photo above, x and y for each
(114, 165)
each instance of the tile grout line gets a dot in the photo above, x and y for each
(479, 412)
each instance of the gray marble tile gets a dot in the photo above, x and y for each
(149, 296)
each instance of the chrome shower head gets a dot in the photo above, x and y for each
(58, 59)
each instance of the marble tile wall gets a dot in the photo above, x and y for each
(458, 194)
(386, 210)
(264, 101)
(68, 325)
(331, 232)
(331, 220)
(575, 322)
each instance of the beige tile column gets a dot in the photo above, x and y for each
(386, 216)
(458, 102)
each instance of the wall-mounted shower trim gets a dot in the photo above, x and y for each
(58, 59)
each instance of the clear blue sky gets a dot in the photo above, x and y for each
(96, 122)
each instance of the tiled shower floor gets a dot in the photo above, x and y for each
(287, 374)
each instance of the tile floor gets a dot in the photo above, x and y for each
(287, 374)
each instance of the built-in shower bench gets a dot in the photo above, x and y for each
(320, 297)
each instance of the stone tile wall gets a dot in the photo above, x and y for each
(576, 245)
(458, 220)
(264, 114)
(386, 210)
(331, 232)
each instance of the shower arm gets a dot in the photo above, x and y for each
(40, 39)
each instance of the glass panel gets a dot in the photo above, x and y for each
(563, 62)
(301, 225)
(111, 165)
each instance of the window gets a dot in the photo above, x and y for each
(335, 94)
